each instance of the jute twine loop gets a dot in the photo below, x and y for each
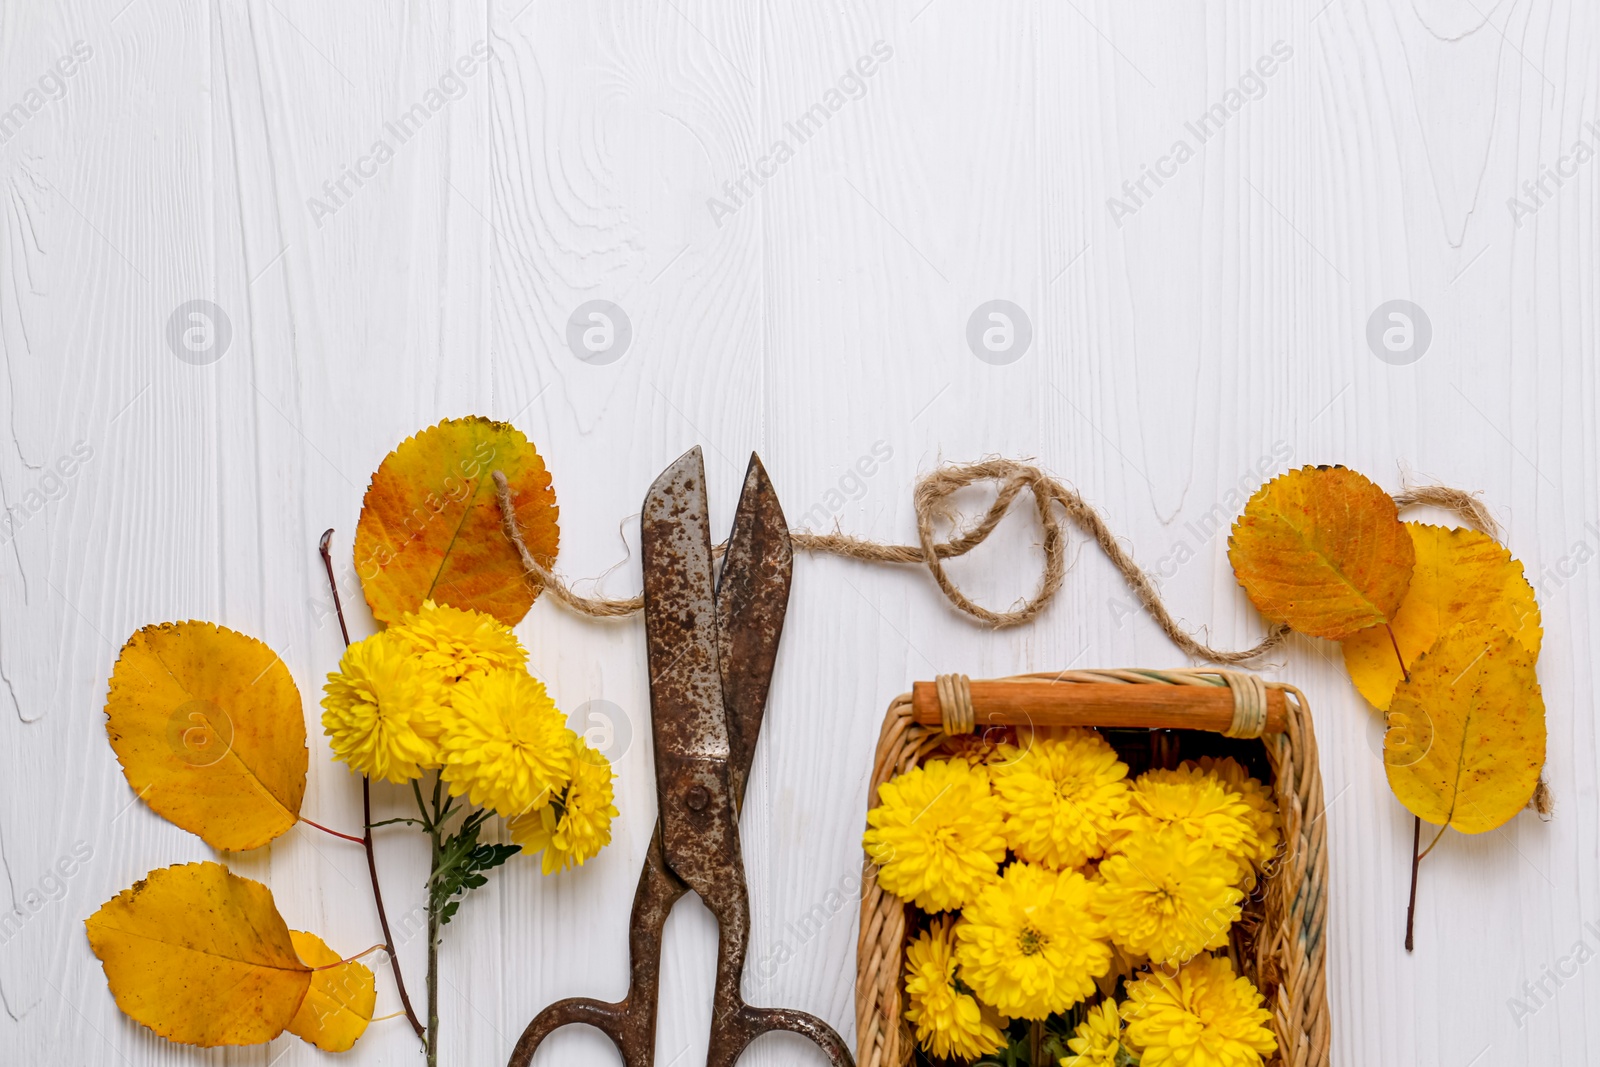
(955, 704)
(544, 578)
(1051, 498)
(932, 492)
(1463, 503)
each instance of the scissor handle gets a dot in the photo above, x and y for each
(732, 1033)
(635, 1041)
(631, 1022)
(734, 1024)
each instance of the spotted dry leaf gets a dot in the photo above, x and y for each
(1322, 549)
(431, 528)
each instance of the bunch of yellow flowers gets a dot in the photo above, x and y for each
(1050, 877)
(449, 690)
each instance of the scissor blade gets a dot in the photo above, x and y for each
(680, 614)
(699, 829)
(752, 596)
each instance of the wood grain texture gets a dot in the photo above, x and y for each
(1181, 353)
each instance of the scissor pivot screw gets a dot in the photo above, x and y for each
(697, 798)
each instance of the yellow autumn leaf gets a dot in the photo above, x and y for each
(431, 529)
(338, 1006)
(1323, 550)
(1467, 736)
(1460, 576)
(208, 727)
(200, 956)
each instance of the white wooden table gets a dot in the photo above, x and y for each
(1189, 327)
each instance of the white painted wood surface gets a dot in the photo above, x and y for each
(1177, 351)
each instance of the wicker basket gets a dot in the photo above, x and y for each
(1279, 944)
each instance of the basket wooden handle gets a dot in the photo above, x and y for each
(1109, 704)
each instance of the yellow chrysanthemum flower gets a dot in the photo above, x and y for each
(979, 749)
(949, 1021)
(1098, 1039)
(1168, 897)
(378, 710)
(1205, 1016)
(1124, 964)
(1197, 802)
(1063, 792)
(1265, 821)
(503, 743)
(458, 643)
(1032, 943)
(936, 834)
(575, 827)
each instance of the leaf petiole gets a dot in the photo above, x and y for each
(333, 833)
(351, 959)
(1416, 831)
(1435, 841)
(1394, 643)
(1416, 861)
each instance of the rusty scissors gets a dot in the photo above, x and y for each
(711, 647)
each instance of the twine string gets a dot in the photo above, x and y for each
(1051, 501)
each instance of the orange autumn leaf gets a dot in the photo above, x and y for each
(200, 956)
(1467, 730)
(208, 727)
(431, 528)
(1322, 549)
(1460, 576)
(338, 1006)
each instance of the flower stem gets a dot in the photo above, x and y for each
(366, 814)
(433, 970)
(435, 824)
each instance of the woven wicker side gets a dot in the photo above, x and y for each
(1291, 948)
(882, 1039)
(1288, 961)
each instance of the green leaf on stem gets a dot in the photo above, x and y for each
(463, 866)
